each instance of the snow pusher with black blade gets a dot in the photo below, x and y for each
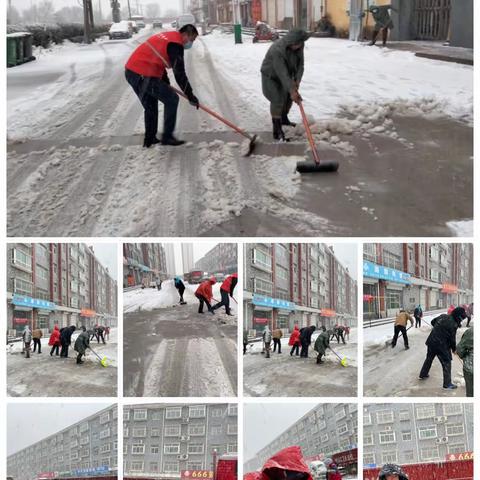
(317, 166)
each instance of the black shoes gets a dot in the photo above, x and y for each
(149, 143)
(172, 141)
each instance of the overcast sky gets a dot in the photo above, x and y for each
(263, 422)
(347, 255)
(105, 4)
(28, 423)
(199, 250)
(107, 255)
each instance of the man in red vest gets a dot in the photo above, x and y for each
(146, 72)
(226, 291)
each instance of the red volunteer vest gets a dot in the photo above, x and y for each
(150, 59)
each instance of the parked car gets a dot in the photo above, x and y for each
(185, 19)
(120, 30)
(157, 24)
(139, 19)
(133, 24)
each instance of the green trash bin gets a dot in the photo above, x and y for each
(28, 47)
(11, 51)
(20, 57)
(237, 29)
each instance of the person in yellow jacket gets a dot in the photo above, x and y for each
(403, 317)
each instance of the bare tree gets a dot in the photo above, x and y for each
(69, 15)
(153, 10)
(13, 17)
(46, 11)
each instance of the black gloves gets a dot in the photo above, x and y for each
(193, 101)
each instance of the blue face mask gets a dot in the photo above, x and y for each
(188, 45)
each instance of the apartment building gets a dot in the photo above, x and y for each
(187, 257)
(434, 275)
(143, 262)
(416, 433)
(86, 446)
(161, 440)
(325, 431)
(296, 283)
(57, 283)
(221, 258)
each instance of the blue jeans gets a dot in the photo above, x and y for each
(151, 90)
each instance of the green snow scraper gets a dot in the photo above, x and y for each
(103, 361)
(343, 360)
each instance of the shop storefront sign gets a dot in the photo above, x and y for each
(263, 301)
(327, 312)
(261, 321)
(449, 288)
(86, 312)
(21, 321)
(90, 471)
(348, 457)
(373, 270)
(190, 474)
(24, 301)
(451, 457)
(368, 298)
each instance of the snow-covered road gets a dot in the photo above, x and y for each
(170, 350)
(394, 372)
(283, 375)
(76, 166)
(46, 376)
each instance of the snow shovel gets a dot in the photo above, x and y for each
(316, 166)
(252, 138)
(343, 360)
(103, 361)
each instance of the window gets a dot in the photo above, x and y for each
(171, 448)
(83, 427)
(105, 433)
(232, 448)
(409, 456)
(456, 448)
(429, 453)
(324, 438)
(22, 259)
(155, 432)
(262, 286)
(104, 418)
(368, 439)
(367, 419)
(217, 412)
(195, 448)
(262, 259)
(340, 414)
(232, 409)
(196, 429)
(232, 429)
(105, 448)
(425, 411)
(404, 415)
(155, 449)
(170, 467)
(138, 449)
(390, 456)
(392, 298)
(139, 432)
(216, 430)
(136, 466)
(384, 416)
(153, 467)
(140, 414)
(197, 411)
(386, 437)
(195, 465)
(342, 429)
(23, 287)
(407, 435)
(454, 429)
(452, 409)
(172, 430)
(173, 412)
(424, 433)
(126, 415)
(369, 458)
(125, 432)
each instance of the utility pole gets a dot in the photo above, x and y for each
(129, 10)
(87, 21)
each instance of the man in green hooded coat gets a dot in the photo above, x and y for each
(282, 71)
(383, 22)
(465, 352)
(321, 344)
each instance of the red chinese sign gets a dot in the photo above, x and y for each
(21, 320)
(189, 474)
(327, 312)
(451, 457)
(348, 457)
(86, 312)
(368, 298)
(449, 288)
(262, 321)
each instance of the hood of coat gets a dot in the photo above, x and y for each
(289, 458)
(295, 36)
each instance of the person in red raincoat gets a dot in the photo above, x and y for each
(205, 295)
(287, 464)
(294, 341)
(252, 476)
(54, 341)
(226, 291)
(451, 308)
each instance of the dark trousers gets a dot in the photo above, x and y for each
(224, 301)
(468, 383)
(79, 357)
(418, 322)
(276, 341)
(151, 90)
(180, 292)
(340, 336)
(55, 349)
(37, 342)
(397, 330)
(384, 35)
(444, 359)
(100, 336)
(64, 351)
(319, 357)
(159, 287)
(295, 349)
(304, 351)
(202, 301)
(245, 345)
(469, 319)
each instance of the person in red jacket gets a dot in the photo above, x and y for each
(205, 295)
(451, 308)
(146, 72)
(287, 464)
(54, 341)
(294, 341)
(226, 291)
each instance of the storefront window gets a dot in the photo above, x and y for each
(42, 321)
(392, 299)
(282, 321)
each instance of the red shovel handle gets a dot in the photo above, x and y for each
(216, 115)
(309, 134)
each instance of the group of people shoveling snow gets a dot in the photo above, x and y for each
(204, 293)
(300, 340)
(61, 339)
(442, 342)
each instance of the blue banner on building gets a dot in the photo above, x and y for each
(372, 270)
(263, 301)
(23, 301)
(90, 471)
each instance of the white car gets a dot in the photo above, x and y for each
(120, 30)
(185, 19)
